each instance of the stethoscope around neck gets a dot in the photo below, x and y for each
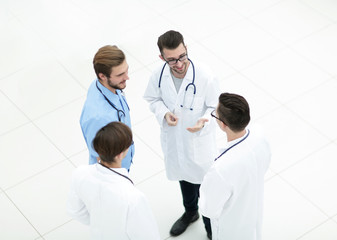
(126, 177)
(191, 84)
(120, 113)
(233, 145)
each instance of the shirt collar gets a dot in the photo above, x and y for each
(231, 143)
(107, 92)
(105, 170)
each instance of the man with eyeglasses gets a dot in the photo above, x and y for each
(182, 94)
(231, 194)
(105, 101)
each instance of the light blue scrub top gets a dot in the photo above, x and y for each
(97, 113)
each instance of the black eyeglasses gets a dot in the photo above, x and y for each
(213, 115)
(174, 61)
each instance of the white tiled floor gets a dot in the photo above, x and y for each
(280, 54)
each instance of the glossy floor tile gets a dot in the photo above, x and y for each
(279, 54)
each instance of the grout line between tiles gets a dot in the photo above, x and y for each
(12, 73)
(291, 43)
(73, 155)
(307, 91)
(308, 59)
(58, 108)
(35, 174)
(46, 233)
(29, 27)
(312, 229)
(302, 159)
(148, 178)
(271, 177)
(304, 120)
(290, 46)
(15, 128)
(273, 53)
(244, 17)
(317, 11)
(141, 121)
(259, 11)
(304, 196)
(50, 141)
(242, 73)
(334, 218)
(73, 164)
(43, 115)
(23, 214)
(159, 13)
(30, 121)
(71, 75)
(144, 142)
(40, 130)
(286, 45)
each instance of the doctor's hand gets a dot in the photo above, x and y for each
(198, 126)
(171, 119)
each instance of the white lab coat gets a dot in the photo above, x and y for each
(111, 205)
(187, 155)
(231, 194)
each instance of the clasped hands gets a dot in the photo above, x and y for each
(172, 120)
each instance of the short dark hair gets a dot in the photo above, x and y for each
(170, 40)
(106, 58)
(111, 140)
(233, 110)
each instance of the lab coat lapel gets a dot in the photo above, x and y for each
(168, 89)
(187, 80)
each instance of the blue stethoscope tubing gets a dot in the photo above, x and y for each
(191, 84)
(113, 105)
(233, 146)
(122, 175)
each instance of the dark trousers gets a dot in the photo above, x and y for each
(190, 193)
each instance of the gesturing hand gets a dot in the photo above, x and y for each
(198, 126)
(171, 119)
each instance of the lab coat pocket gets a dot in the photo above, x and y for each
(203, 150)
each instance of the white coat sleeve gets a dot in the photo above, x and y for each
(211, 101)
(75, 206)
(141, 224)
(212, 96)
(153, 96)
(215, 191)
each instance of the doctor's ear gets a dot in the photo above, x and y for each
(222, 125)
(161, 57)
(102, 77)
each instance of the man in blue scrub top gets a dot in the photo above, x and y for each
(105, 101)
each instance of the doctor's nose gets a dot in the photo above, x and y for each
(126, 77)
(179, 64)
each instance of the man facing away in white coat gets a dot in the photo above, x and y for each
(231, 194)
(104, 197)
(182, 94)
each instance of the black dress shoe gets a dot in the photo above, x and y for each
(209, 235)
(182, 223)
